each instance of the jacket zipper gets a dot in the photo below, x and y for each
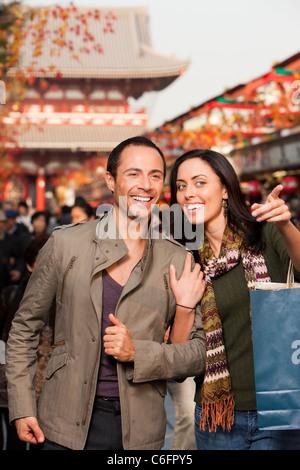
(70, 266)
(90, 392)
(168, 292)
(59, 343)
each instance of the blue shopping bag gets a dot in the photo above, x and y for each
(276, 346)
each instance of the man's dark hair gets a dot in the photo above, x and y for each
(33, 249)
(138, 141)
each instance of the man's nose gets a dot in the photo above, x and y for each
(145, 183)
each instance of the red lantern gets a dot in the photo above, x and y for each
(290, 184)
(254, 188)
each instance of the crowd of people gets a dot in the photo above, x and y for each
(22, 234)
(133, 315)
(19, 226)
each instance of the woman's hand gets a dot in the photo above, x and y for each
(274, 210)
(188, 290)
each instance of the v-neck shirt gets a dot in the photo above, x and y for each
(107, 378)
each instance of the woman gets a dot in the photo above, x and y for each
(82, 212)
(40, 222)
(239, 248)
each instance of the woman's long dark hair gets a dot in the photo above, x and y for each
(239, 214)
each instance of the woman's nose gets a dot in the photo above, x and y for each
(189, 192)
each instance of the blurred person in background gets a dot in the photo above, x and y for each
(13, 227)
(82, 212)
(24, 216)
(40, 222)
(11, 262)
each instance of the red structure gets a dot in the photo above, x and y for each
(77, 105)
(256, 125)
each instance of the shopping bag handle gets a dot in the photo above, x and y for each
(290, 275)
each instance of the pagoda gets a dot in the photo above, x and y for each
(77, 105)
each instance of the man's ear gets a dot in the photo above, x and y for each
(110, 182)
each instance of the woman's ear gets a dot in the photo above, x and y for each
(225, 193)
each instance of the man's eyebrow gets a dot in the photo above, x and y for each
(139, 169)
(131, 169)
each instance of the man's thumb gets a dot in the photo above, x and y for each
(114, 320)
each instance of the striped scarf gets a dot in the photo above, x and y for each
(217, 395)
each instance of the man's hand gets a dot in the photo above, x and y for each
(29, 431)
(118, 342)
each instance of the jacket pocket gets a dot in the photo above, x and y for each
(160, 386)
(55, 363)
(70, 266)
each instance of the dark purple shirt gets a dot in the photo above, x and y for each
(107, 377)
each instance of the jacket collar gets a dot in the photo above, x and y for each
(111, 246)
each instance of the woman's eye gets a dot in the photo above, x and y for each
(180, 187)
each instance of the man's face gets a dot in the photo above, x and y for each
(139, 181)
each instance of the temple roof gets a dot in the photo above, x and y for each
(123, 34)
(84, 138)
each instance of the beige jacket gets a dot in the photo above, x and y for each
(70, 268)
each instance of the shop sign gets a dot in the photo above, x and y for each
(265, 158)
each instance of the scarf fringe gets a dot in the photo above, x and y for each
(220, 413)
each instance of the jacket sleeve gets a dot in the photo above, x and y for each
(21, 356)
(169, 361)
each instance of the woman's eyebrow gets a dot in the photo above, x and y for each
(193, 177)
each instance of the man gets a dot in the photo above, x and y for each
(11, 262)
(113, 306)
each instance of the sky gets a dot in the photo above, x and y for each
(228, 42)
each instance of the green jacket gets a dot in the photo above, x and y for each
(69, 268)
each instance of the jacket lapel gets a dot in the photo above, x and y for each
(110, 248)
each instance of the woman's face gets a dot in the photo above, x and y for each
(78, 215)
(39, 225)
(200, 192)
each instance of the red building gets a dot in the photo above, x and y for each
(76, 107)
